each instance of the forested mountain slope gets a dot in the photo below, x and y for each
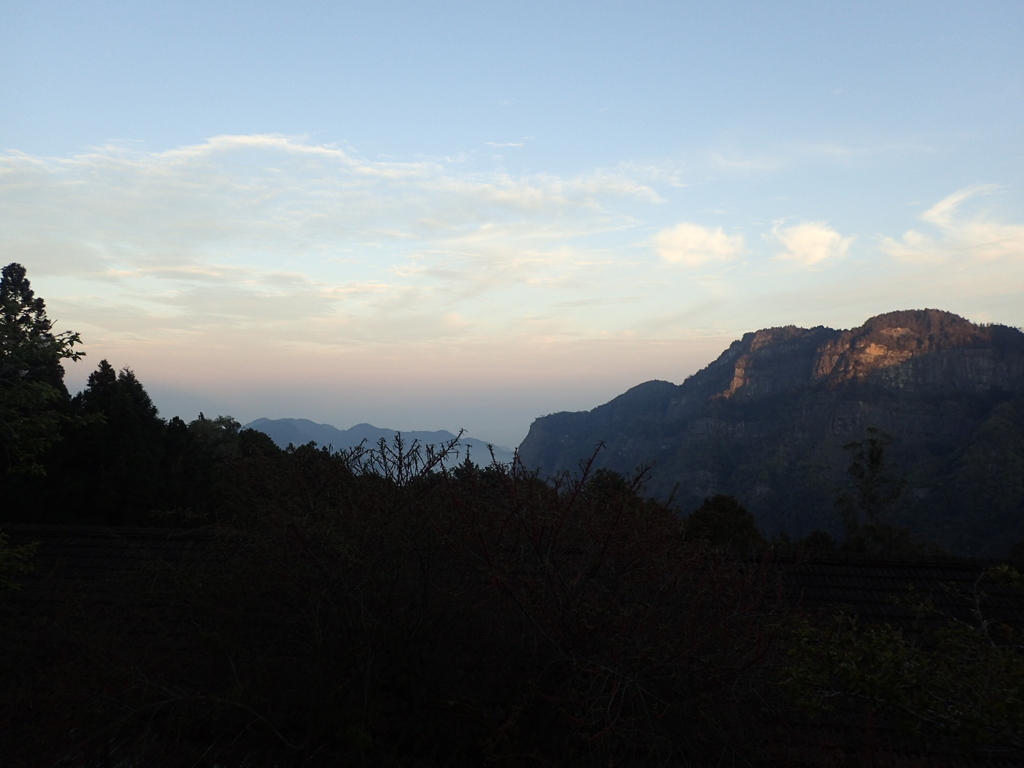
(772, 420)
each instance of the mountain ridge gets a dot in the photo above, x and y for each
(767, 422)
(302, 431)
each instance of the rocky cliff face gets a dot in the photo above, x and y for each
(768, 421)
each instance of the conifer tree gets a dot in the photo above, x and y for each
(32, 391)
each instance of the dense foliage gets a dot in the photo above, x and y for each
(372, 608)
(943, 681)
(359, 608)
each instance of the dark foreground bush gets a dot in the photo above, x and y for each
(359, 610)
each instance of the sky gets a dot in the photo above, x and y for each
(466, 215)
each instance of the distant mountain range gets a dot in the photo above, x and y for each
(772, 420)
(302, 431)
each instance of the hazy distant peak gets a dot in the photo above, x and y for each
(301, 431)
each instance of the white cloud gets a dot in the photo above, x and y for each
(733, 161)
(977, 238)
(520, 143)
(776, 158)
(810, 243)
(276, 235)
(693, 245)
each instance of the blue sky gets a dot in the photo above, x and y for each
(434, 216)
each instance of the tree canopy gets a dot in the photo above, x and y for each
(31, 377)
(721, 520)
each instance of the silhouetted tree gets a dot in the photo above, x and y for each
(877, 485)
(109, 468)
(722, 521)
(32, 392)
(817, 542)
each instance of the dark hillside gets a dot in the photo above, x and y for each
(770, 419)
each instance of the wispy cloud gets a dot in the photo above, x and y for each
(693, 245)
(520, 143)
(736, 161)
(781, 157)
(811, 243)
(600, 301)
(266, 231)
(959, 236)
